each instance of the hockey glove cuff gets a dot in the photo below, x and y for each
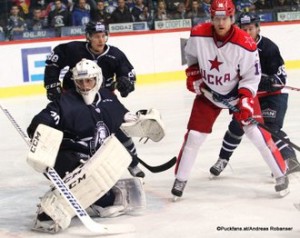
(194, 81)
(245, 106)
(53, 91)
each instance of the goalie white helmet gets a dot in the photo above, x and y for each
(87, 76)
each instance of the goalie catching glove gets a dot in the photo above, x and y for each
(194, 80)
(245, 106)
(144, 124)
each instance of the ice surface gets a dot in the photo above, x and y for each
(243, 196)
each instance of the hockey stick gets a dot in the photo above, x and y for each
(251, 119)
(16, 125)
(159, 168)
(287, 87)
(59, 184)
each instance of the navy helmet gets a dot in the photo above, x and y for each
(95, 27)
(248, 18)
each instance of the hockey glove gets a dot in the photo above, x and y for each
(194, 80)
(267, 82)
(53, 91)
(125, 86)
(245, 106)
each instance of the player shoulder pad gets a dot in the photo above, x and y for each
(242, 39)
(268, 44)
(115, 51)
(204, 29)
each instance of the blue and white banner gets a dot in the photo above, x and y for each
(127, 27)
(34, 34)
(33, 62)
(266, 17)
(73, 31)
(173, 24)
(288, 16)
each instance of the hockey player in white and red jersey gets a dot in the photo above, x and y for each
(273, 99)
(223, 60)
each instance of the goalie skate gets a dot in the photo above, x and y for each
(44, 223)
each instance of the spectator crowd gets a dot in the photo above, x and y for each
(32, 15)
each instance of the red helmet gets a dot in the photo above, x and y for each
(222, 8)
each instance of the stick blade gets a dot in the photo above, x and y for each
(159, 168)
(102, 229)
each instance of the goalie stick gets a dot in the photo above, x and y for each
(59, 184)
(251, 119)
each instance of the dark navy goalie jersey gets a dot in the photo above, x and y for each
(85, 127)
(112, 61)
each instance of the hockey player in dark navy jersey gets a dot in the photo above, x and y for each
(273, 99)
(118, 73)
(116, 69)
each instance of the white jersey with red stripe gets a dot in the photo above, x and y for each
(225, 66)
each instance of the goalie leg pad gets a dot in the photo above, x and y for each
(147, 125)
(129, 199)
(88, 182)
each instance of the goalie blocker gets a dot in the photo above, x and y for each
(88, 182)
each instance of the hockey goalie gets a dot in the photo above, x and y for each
(77, 136)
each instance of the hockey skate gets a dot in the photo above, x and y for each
(136, 172)
(293, 166)
(282, 184)
(218, 167)
(178, 188)
(44, 223)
